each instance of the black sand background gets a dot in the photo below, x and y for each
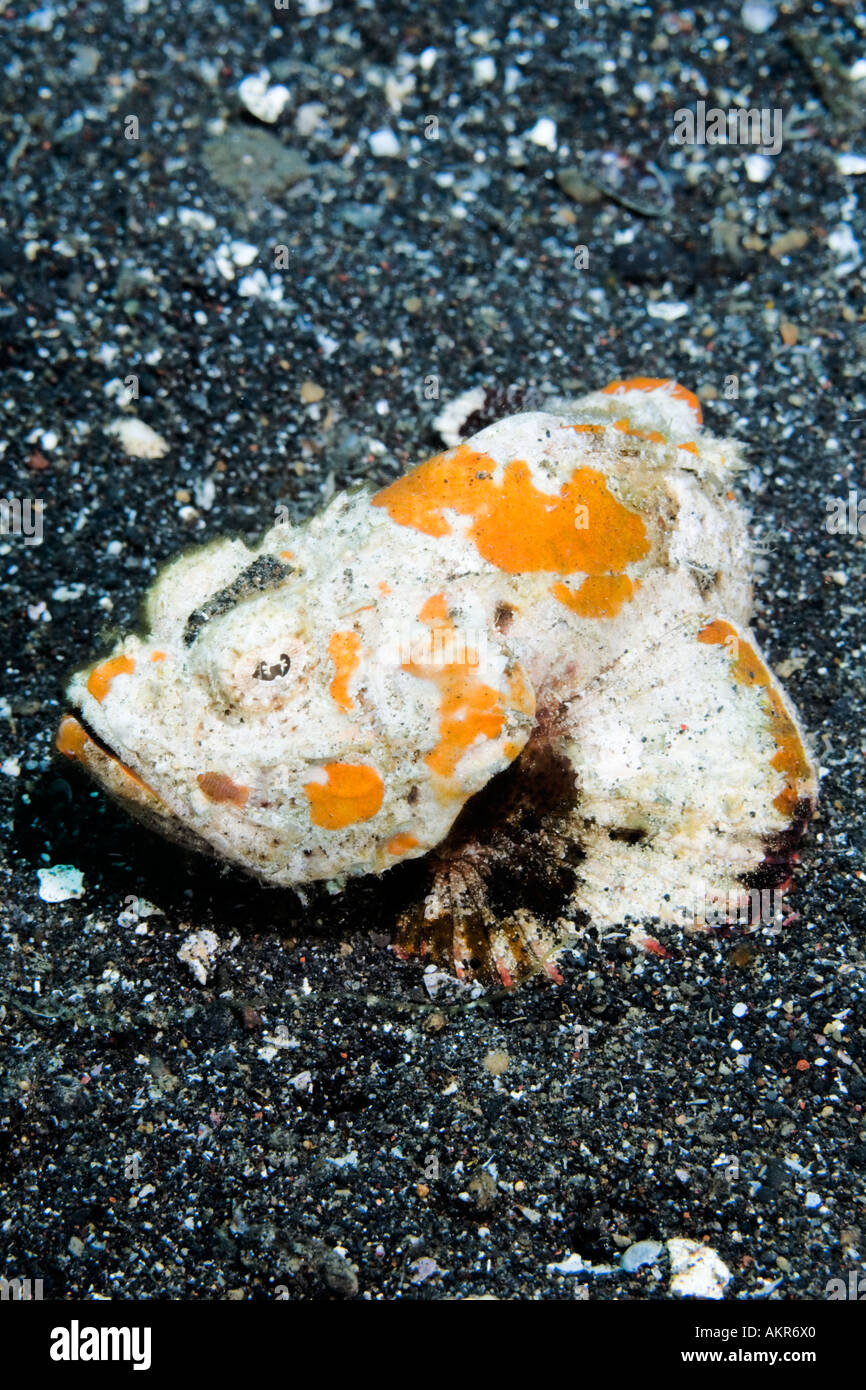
(308, 1118)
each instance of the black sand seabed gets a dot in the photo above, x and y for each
(309, 1118)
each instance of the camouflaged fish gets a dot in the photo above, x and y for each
(528, 659)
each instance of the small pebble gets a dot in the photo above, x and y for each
(198, 951)
(668, 313)
(758, 168)
(496, 1062)
(137, 438)
(384, 143)
(696, 1270)
(543, 133)
(262, 100)
(643, 1252)
(794, 240)
(60, 883)
(308, 117)
(758, 16)
(572, 183)
(338, 1274)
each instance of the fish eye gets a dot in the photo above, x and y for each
(259, 677)
(263, 672)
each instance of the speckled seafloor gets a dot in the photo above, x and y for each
(308, 1117)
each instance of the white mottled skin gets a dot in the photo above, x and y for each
(660, 737)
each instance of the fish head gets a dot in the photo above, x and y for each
(254, 719)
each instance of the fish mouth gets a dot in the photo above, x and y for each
(78, 741)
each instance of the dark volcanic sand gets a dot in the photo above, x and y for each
(308, 1118)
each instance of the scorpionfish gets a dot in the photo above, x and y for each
(528, 659)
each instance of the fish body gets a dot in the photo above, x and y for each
(569, 592)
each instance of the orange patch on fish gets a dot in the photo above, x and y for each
(344, 649)
(157, 656)
(747, 668)
(521, 695)
(652, 383)
(653, 436)
(352, 793)
(599, 596)
(625, 427)
(515, 526)
(468, 708)
(401, 844)
(435, 607)
(134, 777)
(100, 678)
(71, 738)
(217, 786)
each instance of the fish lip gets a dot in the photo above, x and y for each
(90, 731)
(118, 758)
(106, 748)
